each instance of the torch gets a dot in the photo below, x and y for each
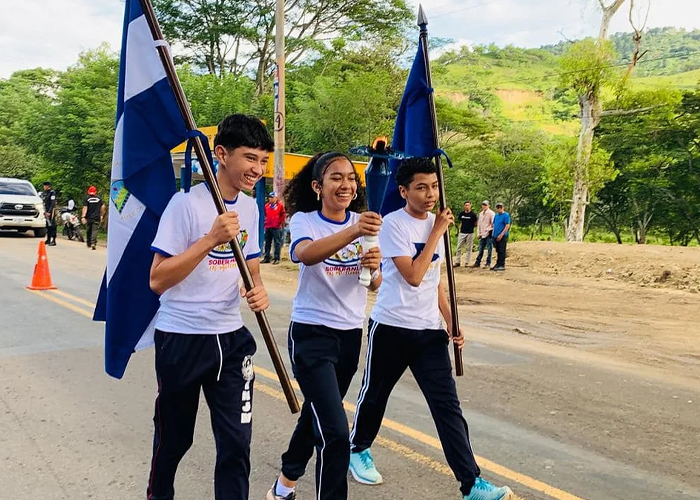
(377, 176)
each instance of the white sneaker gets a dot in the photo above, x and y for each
(362, 468)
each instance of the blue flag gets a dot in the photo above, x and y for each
(148, 126)
(413, 131)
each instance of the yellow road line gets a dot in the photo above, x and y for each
(67, 305)
(404, 430)
(382, 441)
(74, 298)
(423, 438)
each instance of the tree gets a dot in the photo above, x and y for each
(76, 134)
(236, 36)
(642, 155)
(346, 99)
(586, 68)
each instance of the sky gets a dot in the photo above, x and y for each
(52, 33)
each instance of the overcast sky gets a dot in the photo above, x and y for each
(51, 33)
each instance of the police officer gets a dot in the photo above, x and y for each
(51, 213)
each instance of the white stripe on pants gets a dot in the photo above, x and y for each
(464, 239)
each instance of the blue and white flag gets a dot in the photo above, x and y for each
(149, 125)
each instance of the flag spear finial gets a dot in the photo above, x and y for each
(422, 18)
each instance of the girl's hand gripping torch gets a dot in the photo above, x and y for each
(376, 177)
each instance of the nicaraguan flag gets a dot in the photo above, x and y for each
(413, 131)
(149, 125)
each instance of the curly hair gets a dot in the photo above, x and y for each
(299, 196)
(412, 166)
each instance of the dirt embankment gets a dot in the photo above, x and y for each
(643, 265)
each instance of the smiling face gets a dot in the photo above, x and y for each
(421, 194)
(242, 167)
(339, 185)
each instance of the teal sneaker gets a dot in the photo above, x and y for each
(483, 490)
(362, 468)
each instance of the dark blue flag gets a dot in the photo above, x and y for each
(413, 132)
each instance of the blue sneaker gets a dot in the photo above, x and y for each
(483, 490)
(362, 468)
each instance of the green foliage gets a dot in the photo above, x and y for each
(212, 98)
(348, 102)
(586, 66)
(17, 162)
(507, 116)
(75, 135)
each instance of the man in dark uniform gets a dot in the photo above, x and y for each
(93, 213)
(51, 213)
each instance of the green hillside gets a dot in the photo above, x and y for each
(520, 84)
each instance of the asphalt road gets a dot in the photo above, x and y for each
(548, 422)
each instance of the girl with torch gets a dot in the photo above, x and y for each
(325, 334)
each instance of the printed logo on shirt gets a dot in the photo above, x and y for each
(221, 257)
(434, 265)
(419, 250)
(246, 396)
(345, 261)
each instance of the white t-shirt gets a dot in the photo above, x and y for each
(398, 303)
(329, 292)
(208, 300)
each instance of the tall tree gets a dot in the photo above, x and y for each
(587, 75)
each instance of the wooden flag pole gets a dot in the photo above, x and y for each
(210, 177)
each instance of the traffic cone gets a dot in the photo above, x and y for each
(42, 276)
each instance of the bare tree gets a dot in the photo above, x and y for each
(637, 38)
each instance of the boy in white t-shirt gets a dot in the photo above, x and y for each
(412, 293)
(201, 341)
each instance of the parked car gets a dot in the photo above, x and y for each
(21, 208)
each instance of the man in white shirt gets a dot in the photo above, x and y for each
(201, 341)
(484, 227)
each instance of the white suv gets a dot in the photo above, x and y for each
(21, 208)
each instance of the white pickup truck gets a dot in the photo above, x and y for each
(21, 208)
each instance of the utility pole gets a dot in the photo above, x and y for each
(280, 116)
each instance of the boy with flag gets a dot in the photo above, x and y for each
(413, 294)
(201, 341)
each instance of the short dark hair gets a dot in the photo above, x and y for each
(47, 183)
(412, 166)
(467, 202)
(240, 130)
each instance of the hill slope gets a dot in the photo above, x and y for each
(521, 84)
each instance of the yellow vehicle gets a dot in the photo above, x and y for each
(293, 163)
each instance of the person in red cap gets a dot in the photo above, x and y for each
(274, 221)
(93, 214)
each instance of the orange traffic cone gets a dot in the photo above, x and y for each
(42, 277)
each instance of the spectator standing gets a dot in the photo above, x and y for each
(92, 216)
(274, 221)
(484, 228)
(501, 228)
(466, 234)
